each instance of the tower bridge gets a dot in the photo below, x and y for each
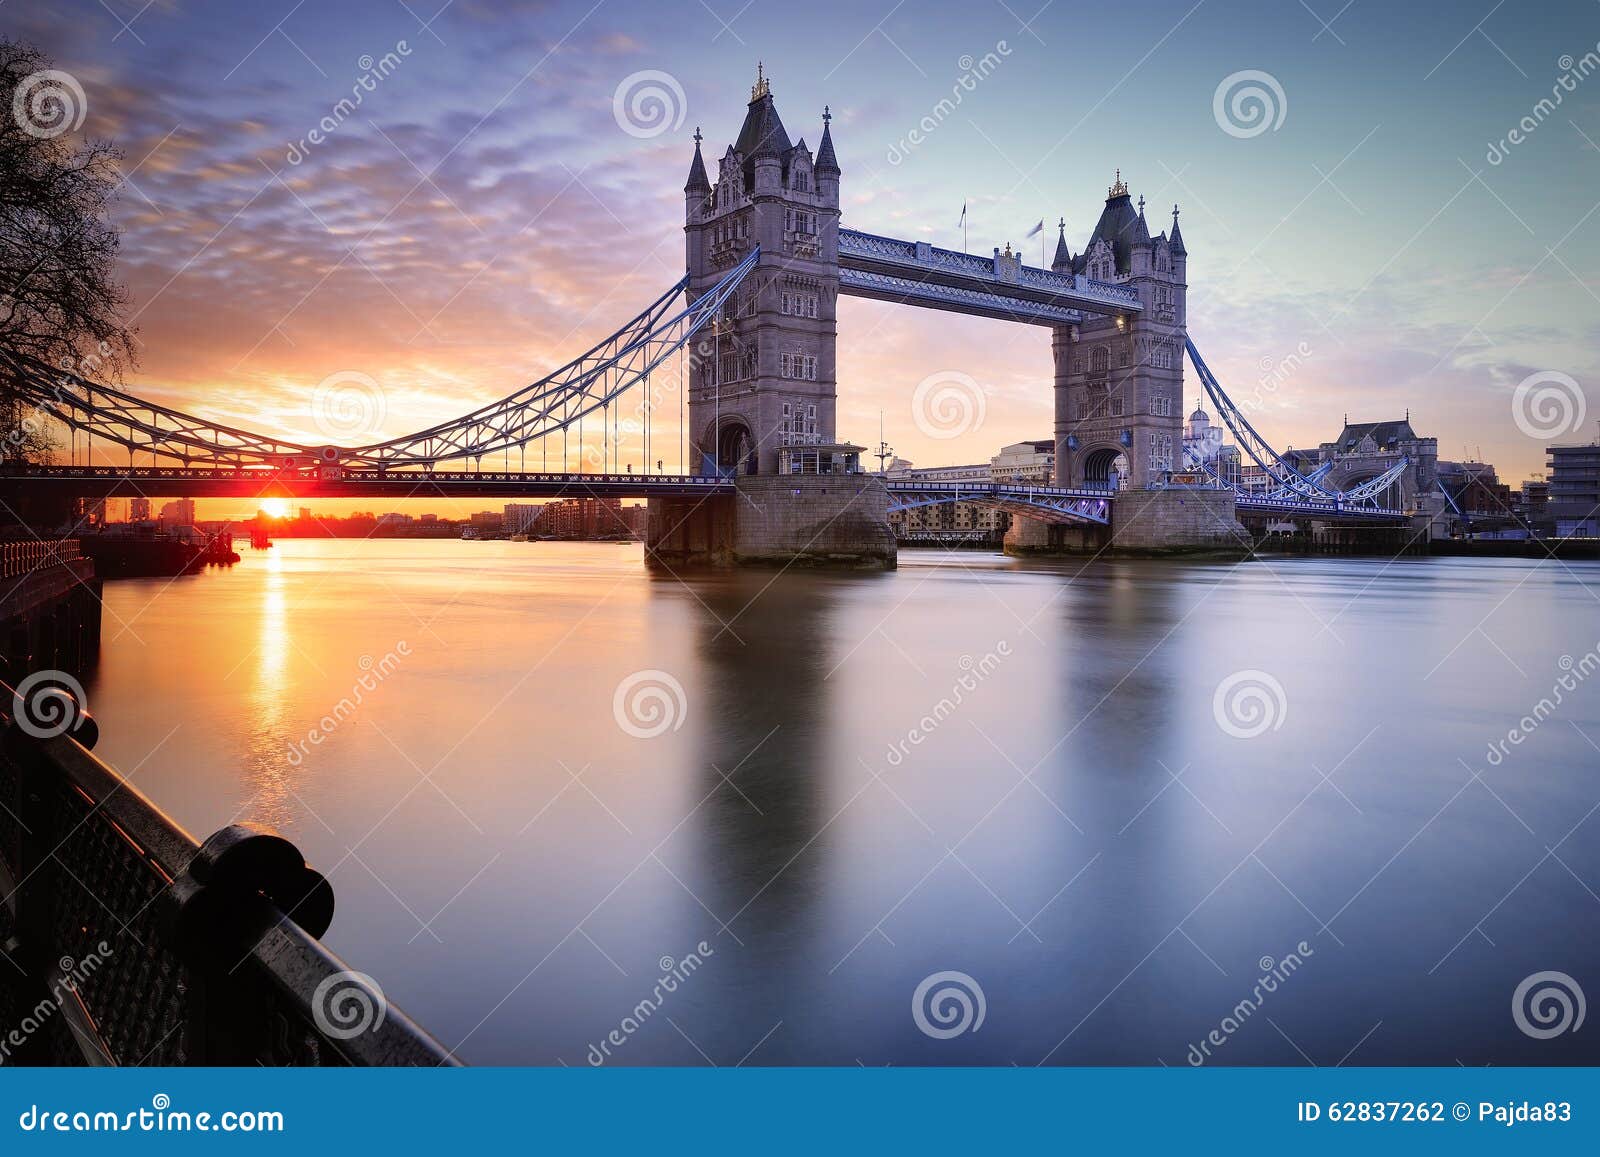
(753, 327)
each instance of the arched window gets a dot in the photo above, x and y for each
(1099, 360)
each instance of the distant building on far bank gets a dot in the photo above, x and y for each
(581, 518)
(519, 517)
(1205, 448)
(1030, 463)
(1025, 462)
(178, 513)
(1574, 482)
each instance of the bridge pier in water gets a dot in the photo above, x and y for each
(1173, 521)
(837, 521)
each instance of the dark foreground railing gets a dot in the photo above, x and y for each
(24, 557)
(126, 942)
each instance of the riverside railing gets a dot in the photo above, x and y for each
(20, 558)
(129, 943)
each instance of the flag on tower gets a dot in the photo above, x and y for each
(1037, 229)
(963, 220)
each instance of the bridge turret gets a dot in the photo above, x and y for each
(698, 183)
(1119, 376)
(1063, 258)
(764, 379)
(827, 166)
(1180, 255)
(1141, 251)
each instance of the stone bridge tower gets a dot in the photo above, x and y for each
(764, 376)
(1119, 377)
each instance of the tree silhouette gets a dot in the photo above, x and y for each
(60, 302)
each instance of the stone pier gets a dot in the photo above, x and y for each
(1175, 521)
(1031, 536)
(832, 520)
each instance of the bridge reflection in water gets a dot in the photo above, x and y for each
(1078, 834)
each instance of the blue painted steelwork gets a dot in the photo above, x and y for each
(1284, 476)
(1292, 490)
(1046, 503)
(1316, 476)
(884, 287)
(923, 274)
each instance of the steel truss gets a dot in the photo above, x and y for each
(561, 399)
(1045, 503)
(1289, 485)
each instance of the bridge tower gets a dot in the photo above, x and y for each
(764, 376)
(1119, 377)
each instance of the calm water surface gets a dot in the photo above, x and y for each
(1011, 770)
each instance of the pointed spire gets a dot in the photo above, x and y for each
(697, 182)
(761, 88)
(826, 162)
(1118, 189)
(1063, 258)
(1141, 229)
(1177, 237)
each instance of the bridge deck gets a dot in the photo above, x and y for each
(259, 482)
(1052, 503)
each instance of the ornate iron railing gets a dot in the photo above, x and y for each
(20, 558)
(129, 943)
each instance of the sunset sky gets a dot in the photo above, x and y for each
(483, 215)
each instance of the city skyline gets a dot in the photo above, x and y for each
(444, 244)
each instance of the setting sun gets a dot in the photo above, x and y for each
(275, 507)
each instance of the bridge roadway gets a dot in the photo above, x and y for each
(1049, 503)
(266, 482)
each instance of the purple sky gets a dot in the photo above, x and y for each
(484, 214)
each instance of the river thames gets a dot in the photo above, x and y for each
(752, 817)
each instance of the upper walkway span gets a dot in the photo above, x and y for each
(1001, 286)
